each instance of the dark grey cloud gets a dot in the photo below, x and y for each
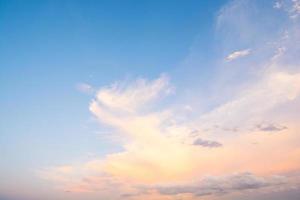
(270, 127)
(207, 143)
(222, 185)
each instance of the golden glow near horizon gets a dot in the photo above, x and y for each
(160, 152)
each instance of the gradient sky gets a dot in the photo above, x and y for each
(151, 100)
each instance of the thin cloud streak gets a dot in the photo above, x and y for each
(238, 54)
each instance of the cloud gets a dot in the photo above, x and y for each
(222, 185)
(295, 10)
(291, 7)
(85, 88)
(84, 177)
(277, 5)
(207, 143)
(160, 149)
(161, 145)
(238, 54)
(250, 105)
(130, 98)
(270, 127)
(129, 108)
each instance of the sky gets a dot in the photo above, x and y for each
(151, 100)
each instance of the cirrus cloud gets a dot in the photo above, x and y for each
(238, 54)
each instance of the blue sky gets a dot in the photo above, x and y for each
(48, 47)
(99, 84)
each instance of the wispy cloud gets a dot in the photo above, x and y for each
(130, 97)
(292, 7)
(277, 5)
(295, 10)
(238, 54)
(85, 88)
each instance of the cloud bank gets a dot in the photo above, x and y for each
(226, 149)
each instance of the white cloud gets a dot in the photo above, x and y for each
(131, 97)
(277, 5)
(256, 100)
(292, 7)
(295, 10)
(238, 54)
